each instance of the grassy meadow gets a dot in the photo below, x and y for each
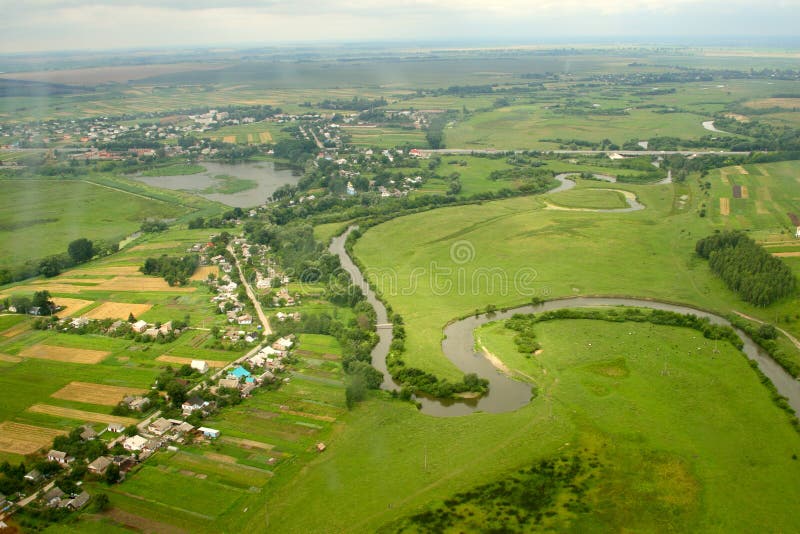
(518, 250)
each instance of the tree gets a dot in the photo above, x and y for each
(356, 391)
(80, 250)
(131, 430)
(112, 474)
(42, 300)
(50, 266)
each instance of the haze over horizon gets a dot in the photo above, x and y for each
(56, 25)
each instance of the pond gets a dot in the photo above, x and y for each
(255, 181)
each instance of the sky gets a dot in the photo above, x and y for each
(48, 25)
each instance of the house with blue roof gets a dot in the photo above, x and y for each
(238, 373)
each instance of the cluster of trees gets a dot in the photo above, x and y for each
(416, 380)
(152, 226)
(524, 322)
(23, 304)
(525, 339)
(79, 251)
(533, 180)
(226, 220)
(746, 268)
(296, 151)
(175, 270)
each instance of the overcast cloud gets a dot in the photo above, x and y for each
(34, 25)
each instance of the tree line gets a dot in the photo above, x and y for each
(175, 270)
(746, 268)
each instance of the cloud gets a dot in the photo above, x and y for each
(73, 24)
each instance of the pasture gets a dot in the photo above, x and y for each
(516, 251)
(385, 137)
(660, 440)
(40, 217)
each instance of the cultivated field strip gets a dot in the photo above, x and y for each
(81, 415)
(117, 310)
(64, 354)
(95, 393)
(19, 438)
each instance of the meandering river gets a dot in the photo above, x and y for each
(506, 394)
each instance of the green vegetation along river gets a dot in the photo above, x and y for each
(506, 394)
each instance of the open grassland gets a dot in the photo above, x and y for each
(186, 361)
(516, 250)
(95, 393)
(40, 217)
(385, 137)
(665, 448)
(589, 198)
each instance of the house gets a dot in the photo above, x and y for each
(321, 447)
(151, 332)
(53, 497)
(33, 476)
(230, 383)
(88, 433)
(797, 233)
(152, 445)
(100, 465)
(79, 322)
(134, 444)
(193, 403)
(183, 428)
(59, 457)
(266, 375)
(165, 328)
(116, 428)
(139, 326)
(200, 366)
(239, 372)
(244, 319)
(209, 432)
(270, 351)
(283, 344)
(80, 501)
(159, 426)
(248, 388)
(136, 402)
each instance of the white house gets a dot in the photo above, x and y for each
(797, 233)
(134, 444)
(209, 432)
(139, 326)
(200, 366)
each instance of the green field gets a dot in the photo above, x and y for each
(589, 198)
(381, 137)
(565, 253)
(40, 217)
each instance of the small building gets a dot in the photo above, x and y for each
(139, 326)
(230, 383)
(183, 428)
(321, 447)
(239, 372)
(134, 443)
(209, 432)
(797, 233)
(80, 501)
(53, 497)
(244, 319)
(248, 388)
(100, 465)
(137, 403)
(159, 426)
(192, 404)
(200, 366)
(34, 476)
(88, 433)
(59, 457)
(116, 428)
